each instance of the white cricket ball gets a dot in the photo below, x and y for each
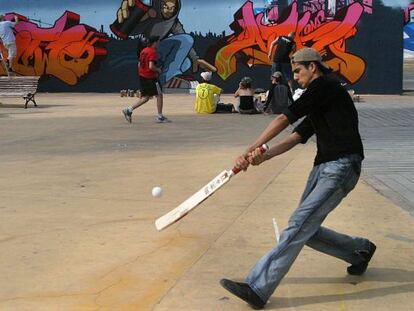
(156, 192)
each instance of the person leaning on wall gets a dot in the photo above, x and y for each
(285, 46)
(9, 40)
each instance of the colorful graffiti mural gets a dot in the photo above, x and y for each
(229, 37)
(68, 51)
(160, 18)
(408, 32)
(252, 37)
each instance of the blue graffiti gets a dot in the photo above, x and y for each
(409, 39)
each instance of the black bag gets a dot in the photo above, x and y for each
(224, 108)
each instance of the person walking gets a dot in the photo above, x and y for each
(330, 114)
(150, 86)
(285, 45)
(9, 40)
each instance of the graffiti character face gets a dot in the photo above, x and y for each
(168, 8)
(304, 75)
(77, 56)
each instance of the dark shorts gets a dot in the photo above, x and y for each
(150, 87)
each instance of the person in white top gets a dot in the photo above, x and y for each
(8, 38)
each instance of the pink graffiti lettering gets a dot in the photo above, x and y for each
(252, 38)
(315, 23)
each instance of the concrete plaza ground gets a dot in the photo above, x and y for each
(77, 216)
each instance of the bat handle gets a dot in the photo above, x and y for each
(263, 148)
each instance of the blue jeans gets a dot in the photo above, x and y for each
(327, 185)
(285, 69)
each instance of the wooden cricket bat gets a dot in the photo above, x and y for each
(192, 202)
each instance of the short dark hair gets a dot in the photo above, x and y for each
(277, 78)
(321, 68)
(153, 39)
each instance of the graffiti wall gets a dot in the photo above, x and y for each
(94, 46)
(67, 51)
(409, 31)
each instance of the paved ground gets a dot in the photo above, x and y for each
(77, 216)
(408, 75)
(387, 129)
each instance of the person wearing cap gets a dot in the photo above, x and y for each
(279, 96)
(245, 93)
(149, 85)
(285, 45)
(8, 39)
(329, 113)
(207, 95)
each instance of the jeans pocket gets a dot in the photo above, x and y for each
(335, 169)
(344, 173)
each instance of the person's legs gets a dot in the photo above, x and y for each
(333, 243)
(160, 102)
(339, 245)
(328, 184)
(286, 69)
(128, 111)
(11, 51)
(276, 67)
(140, 102)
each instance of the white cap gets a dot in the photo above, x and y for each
(206, 75)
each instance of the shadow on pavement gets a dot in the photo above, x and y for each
(373, 275)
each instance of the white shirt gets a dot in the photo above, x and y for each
(6, 32)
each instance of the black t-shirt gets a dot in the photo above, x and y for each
(283, 49)
(331, 115)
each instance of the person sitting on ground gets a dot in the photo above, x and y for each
(206, 94)
(246, 97)
(208, 97)
(8, 38)
(279, 97)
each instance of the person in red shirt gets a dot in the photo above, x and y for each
(150, 86)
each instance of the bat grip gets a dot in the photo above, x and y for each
(263, 148)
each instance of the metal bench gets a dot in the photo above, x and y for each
(19, 86)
